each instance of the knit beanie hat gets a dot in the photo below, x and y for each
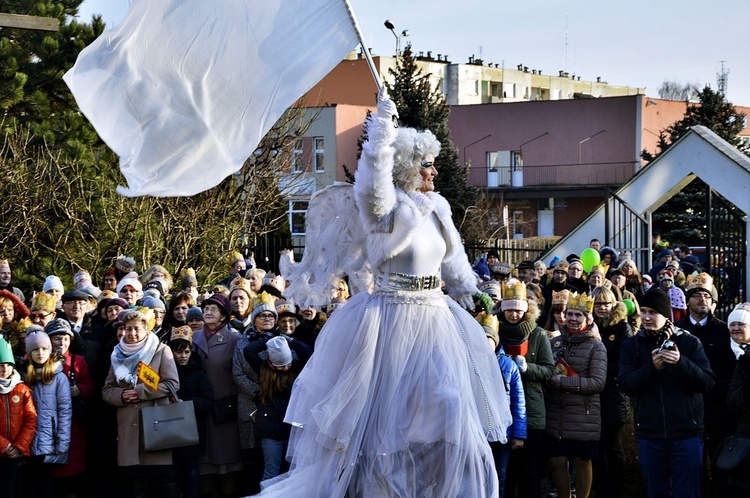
(118, 301)
(53, 282)
(278, 352)
(657, 300)
(82, 279)
(194, 313)
(58, 326)
(6, 352)
(740, 313)
(154, 303)
(36, 338)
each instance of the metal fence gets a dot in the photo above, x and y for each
(512, 251)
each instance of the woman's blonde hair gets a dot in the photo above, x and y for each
(45, 374)
(410, 148)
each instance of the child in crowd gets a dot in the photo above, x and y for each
(195, 387)
(51, 394)
(17, 420)
(277, 367)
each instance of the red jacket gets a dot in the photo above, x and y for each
(17, 417)
(77, 454)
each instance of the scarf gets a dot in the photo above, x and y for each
(513, 335)
(7, 385)
(125, 358)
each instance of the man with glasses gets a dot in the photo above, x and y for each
(714, 335)
(74, 306)
(43, 309)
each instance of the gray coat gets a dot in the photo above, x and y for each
(248, 388)
(54, 409)
(222, 441)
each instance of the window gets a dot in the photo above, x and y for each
(319, 156)
(297, 213)
(298, 163)
(509, 90)
(498, 168)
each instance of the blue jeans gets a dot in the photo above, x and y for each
(501, 455)
(672, 467)
(273, 457)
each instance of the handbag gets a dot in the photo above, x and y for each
(169, 426)
(225, 409)
(733, 454)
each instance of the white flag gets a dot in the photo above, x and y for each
(184, 90)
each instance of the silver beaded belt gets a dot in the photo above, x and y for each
(404, 282)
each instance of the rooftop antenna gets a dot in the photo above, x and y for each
(722, 79)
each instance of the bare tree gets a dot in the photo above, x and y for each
(63, 214)
(672, 90)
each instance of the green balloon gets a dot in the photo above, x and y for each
(590, 257)
(629, 305)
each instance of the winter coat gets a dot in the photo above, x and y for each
(716, 341)
(17, 416)
(539, 361)
(248, 387)
(668, 403)
(574, 407)
(195, 387)
(80, 376)
(614, 329)
(222, 440)
(516, 398)
(129, 434)
(54, 410)
(738, 399)
(269, 420)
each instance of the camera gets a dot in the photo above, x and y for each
(667, 346)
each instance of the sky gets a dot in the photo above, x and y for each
(640, 43)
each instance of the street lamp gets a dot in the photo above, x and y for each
(389, 25)
(473, 143)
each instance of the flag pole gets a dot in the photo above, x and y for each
(366, 51)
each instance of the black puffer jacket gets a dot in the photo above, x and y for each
(668, 403)
(614, 329)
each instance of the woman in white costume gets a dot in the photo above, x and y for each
(402, 393)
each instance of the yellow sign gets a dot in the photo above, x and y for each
(148, 376)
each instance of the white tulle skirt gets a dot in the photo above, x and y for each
(399, 400)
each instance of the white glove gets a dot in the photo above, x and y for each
(386, 107)
(521, 362)
(466, 301)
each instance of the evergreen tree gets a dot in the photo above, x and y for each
(32, 63)
(683, 218)
(423, 107)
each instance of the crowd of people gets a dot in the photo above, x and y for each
(429, 378)
(582, 354)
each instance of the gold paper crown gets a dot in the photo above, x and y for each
(700, 281)
(233, 257)
(514, 290)
(4, 263)
(596, 269)
(489, 321)
(19, 326)
(275, 281)
(185, 333)
(149, 315)
(241, 284)
(560, 297)
(188, 272)
(43, 302)
(581, 302)
(561, 266)
(285, 307)
(264, 299)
